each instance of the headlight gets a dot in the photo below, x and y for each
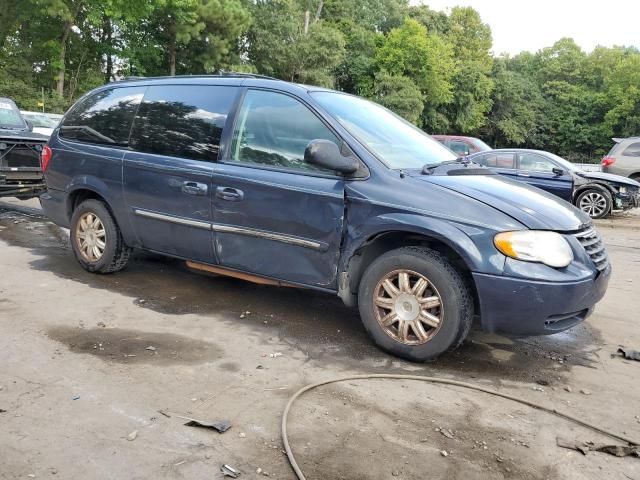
(549, 248)
(622, 189)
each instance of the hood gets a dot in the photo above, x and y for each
(528, 205)
(609, 177)
(21, 135)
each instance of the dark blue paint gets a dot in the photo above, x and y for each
(338, 215)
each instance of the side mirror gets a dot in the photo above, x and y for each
(29, 125)
(326, 154)
(557, 171)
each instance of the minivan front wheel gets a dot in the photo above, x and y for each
(415, 304)
(96, 239)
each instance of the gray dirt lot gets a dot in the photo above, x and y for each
(77, 379)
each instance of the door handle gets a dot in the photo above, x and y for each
(194, 188)
(230, 194)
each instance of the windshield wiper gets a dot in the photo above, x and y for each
(428, 168)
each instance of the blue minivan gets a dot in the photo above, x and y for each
(302, 186)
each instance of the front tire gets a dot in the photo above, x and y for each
(96, 239)
(595, 202)
(415, 304)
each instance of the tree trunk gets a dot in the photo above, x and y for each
(172, 49)
(63, 53)
(306, 21)
(108, 38)
(319, 10)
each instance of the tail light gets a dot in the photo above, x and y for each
(45, 157)
(607, 161)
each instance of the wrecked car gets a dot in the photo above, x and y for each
(302, 186)
(595, 193)
(20, 149)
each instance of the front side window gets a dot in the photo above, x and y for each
(536, 163)
(183, 120)
(497, 160)
(274, 129)
(632, 150)
(104, 117)
(396, 142)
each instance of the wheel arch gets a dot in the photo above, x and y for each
(441, 236)
(88, 187)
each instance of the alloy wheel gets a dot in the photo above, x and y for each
(593, 204)
(408, 307)
(91, 237)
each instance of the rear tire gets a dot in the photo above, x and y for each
(96, 239)
(595, 202)
(415, 304)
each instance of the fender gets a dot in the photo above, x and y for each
(593, 185)
(454, 235)
(114, 201)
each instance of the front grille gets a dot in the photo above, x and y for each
(594, 246)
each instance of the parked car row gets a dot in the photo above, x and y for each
(301, 186)
(595, 193)
(20, 147)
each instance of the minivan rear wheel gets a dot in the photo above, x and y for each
(415, 304)
(96, 239)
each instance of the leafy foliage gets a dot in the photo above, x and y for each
(433, 68)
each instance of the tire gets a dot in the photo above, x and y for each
(445, 286)
(114, 254)
(594, 202)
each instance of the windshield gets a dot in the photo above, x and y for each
(40, 120)
(396, 142)
(10, 117)
(480, 145)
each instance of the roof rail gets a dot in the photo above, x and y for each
(220, 73)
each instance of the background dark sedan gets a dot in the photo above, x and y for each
(594, 193)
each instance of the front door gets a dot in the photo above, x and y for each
(275, 215)
(538, 171)
(167, 177)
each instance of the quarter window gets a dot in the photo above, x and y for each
(632, 150)
(104, 117)
(274, 129)
(535, 163)
(183, 120)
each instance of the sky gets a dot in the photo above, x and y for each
(518, 25)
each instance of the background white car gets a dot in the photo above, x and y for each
(43, 123)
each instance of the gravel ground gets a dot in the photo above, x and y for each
(82, 390)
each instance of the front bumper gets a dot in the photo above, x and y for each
(626, 201)
(528, 307)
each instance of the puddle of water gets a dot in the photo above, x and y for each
(134, 346)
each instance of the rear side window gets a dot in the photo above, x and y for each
(183, 120)
(497, 160)
(104, 117)
(632, 150)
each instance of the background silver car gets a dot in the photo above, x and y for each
(624, 158)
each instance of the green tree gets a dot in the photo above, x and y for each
(470, 40)
(400, 94)
(427, 60)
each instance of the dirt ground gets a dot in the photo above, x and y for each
(78, 378)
